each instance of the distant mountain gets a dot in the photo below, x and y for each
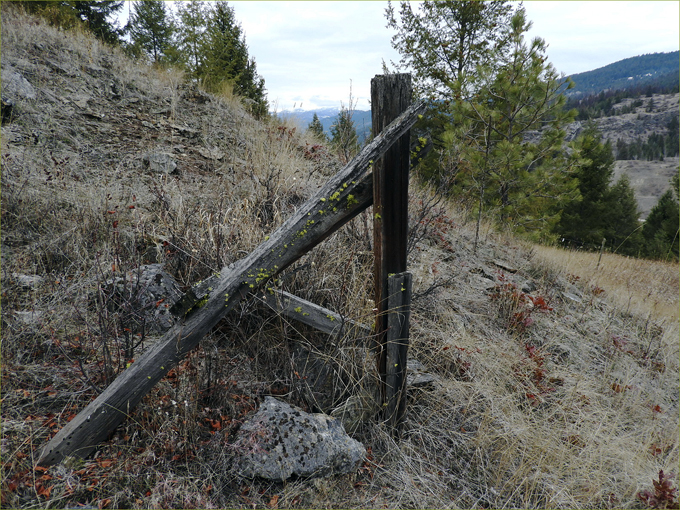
(654, 68)
(328, 117)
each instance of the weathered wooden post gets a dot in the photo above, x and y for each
(390, 96)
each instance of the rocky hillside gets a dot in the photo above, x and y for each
(541, 386)
(628, 123)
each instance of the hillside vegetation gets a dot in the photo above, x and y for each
(556, 375)
(654, 70)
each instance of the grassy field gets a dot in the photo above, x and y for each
(556, 381)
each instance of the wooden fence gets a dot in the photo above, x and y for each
(344, 196)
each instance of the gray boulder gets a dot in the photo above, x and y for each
(145, 296)
(280, 441)
(15, 85)
(159, 162)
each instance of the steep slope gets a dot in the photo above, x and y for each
(548, 392)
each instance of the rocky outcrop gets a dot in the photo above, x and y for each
(281, 441)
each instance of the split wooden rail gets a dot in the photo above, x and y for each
(344, 196)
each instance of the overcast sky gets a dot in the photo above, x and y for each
(310, 52)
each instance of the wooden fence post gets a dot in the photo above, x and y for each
(396, 347)
(390, 96)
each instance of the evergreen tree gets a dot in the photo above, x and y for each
(621, 218)
(582, 220)
(96, 13)
(445, 40)
(226, 59)
(70, 13)
(189, 36)
(316, 127)
(344, 135)
(660, 230)
(252, 87)
(524, 178)
(150, 28)
(225, 53)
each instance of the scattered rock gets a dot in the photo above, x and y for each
(159, 162)
(185, 131)
(27, 281)
(15, 85)
(146, 295)
(505, 266)
(356, 410)
(417, 375)
(211, 153)
(481, 283)
(571, 297)
(281, 441)
(528, 286)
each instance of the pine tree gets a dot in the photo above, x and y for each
(252, 87)
(316, 127)
(189, 36)
(524, 178)
(344, 135)
(582, 220)
(225, 54)
(621, 218)
(96, 13)
(226, 59)
(660, 230)
(445, 40)
(150, 28)
(69, 13)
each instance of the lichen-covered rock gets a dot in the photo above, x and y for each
(145, 296)
(280, 441)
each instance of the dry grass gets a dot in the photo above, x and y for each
(576, 409)
(641, 286)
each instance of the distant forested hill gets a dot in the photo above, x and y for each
(657, 69)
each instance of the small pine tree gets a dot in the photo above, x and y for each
(69, 13)
(316, 127)
(524, 182)
(344, 135)
(188, 51)
(582, 219)
(96, 13)
(621, 218)
(150, 28)
(225, 59)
